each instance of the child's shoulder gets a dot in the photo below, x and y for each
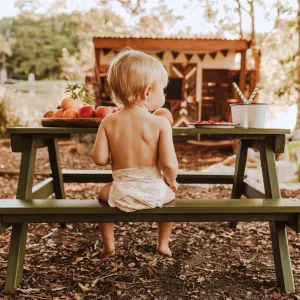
(107, 120)
(162, 122)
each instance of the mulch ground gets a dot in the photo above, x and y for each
(209, 261)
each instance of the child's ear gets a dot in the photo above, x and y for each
(147, 91)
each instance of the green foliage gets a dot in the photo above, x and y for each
(71, 89)
(4, 46)
(38, 44)
(84, 94)
(56, 45)
(279, 64)
(7, 116)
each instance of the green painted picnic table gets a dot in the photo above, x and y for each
(268, 141)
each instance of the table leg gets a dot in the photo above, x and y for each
(278, 232)
(239, 173)
(16, 256)
(19, 231)
(54, 158)
(26, 175)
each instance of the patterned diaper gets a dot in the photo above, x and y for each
(137, 188)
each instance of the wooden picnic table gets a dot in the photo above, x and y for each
(268, 141)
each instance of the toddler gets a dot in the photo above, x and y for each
(138, 144)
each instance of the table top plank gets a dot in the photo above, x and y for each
(181, 130)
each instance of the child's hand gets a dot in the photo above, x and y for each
(174, 186)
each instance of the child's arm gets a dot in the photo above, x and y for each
(101, 152)
(166, 154)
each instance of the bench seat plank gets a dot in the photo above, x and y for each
(180, 210)
(178, 206)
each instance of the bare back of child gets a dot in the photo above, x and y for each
(139, 146)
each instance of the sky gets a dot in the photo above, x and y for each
(191, 14)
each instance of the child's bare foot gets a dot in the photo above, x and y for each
(108, 250)
(164, 249)
(105, 254)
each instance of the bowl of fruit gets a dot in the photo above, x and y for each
(77, 110)
(213, 124)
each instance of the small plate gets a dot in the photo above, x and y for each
(229, 125)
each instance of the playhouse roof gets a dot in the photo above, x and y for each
(170, 43)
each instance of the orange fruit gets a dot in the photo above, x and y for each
(165, 113)
(68, 103)
(58, 113)
(70, 113)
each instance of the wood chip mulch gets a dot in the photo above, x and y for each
(210, 261)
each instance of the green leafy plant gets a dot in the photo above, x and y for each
(83, 94)
(86, 96)
(71, 89)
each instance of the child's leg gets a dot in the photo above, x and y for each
(107, 229)
(165, 229)
(164, 232)
(107, 233)
(104, 192)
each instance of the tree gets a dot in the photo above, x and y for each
(27, 6)
(5, 49)
(155, 22)
(151, 22)
(39, 42)
(31, 7)
(242, 12)
(5, 45)
(298, 67)
(38, 39)
(97, 22)
(92, 23)
(279, 67)
(280, 64)
(133, 7)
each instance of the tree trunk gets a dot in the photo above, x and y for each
(239, 10)
(257, 59)
(3, 61)
(298, 68)
(256, 52)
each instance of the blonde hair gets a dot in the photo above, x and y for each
(131, 72)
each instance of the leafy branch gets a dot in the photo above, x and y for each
(71, 89)
(84, 94)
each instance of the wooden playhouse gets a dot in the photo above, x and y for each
(201, 72)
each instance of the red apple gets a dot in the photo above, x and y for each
(103, 111)
(86, 111)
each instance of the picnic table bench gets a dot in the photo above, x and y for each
(31, 203)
